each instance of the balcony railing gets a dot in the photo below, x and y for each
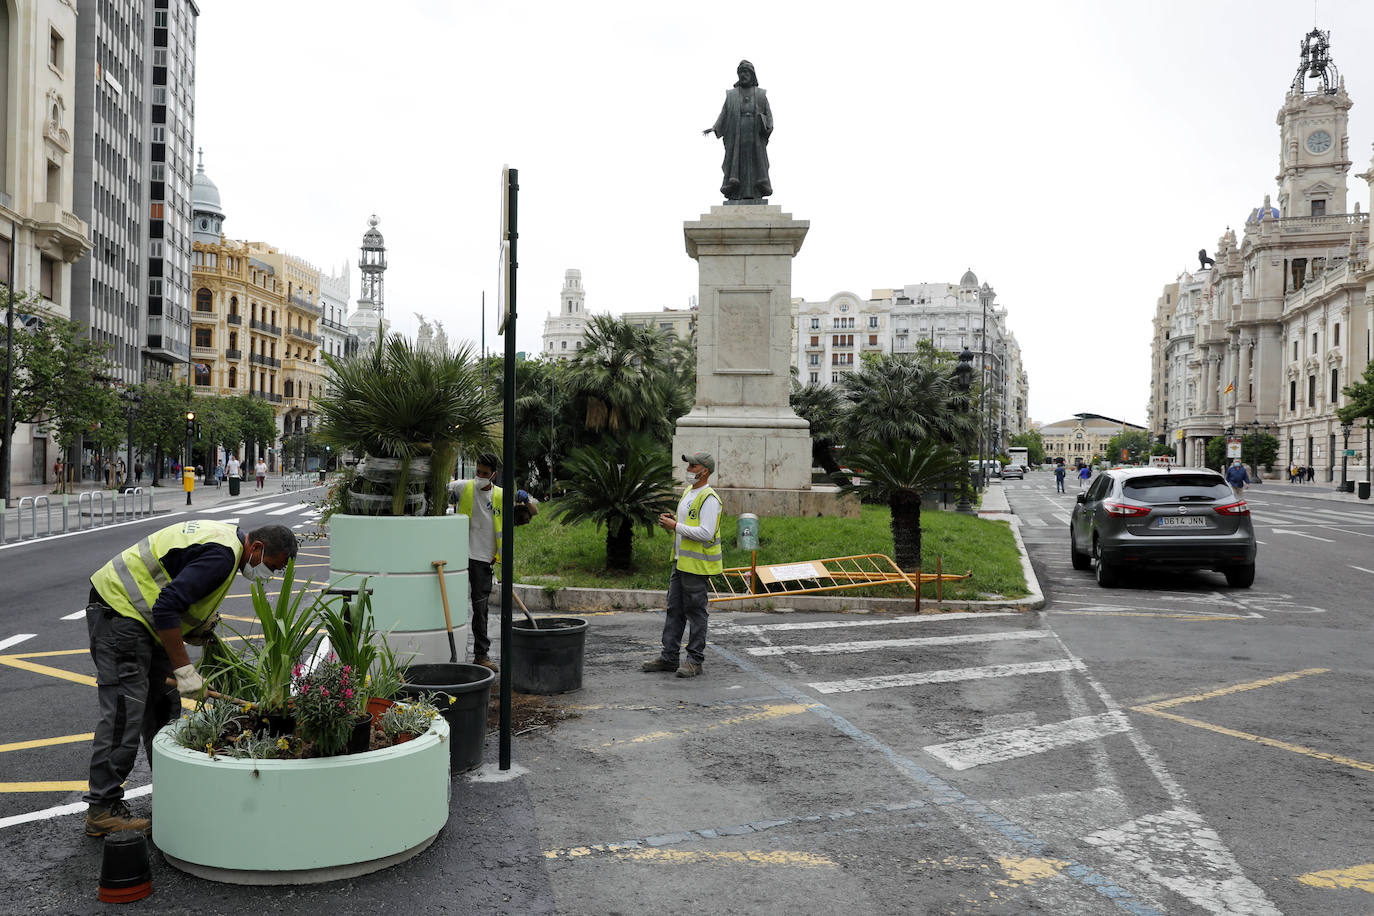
(266, 396)
(260, 360)
(304, 335)
(263, 326)
(233, 354)
(300, 301)
(234, 319)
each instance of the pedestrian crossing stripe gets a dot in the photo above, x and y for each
(1024, 742)
(945, 676)
(874, 644)
(752, 629)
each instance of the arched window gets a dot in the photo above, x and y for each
(233, 340)
(204, 301)
(233, 305)
(233, 376)
(286, 388)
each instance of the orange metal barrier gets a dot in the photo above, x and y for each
(829, 575)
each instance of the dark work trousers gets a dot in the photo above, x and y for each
(686, 605)
(479, 582)
(131, 670)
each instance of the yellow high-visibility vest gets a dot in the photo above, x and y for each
(465, 508)
(702, 559)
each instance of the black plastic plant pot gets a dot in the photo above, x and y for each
(126, 874)
(547, 658)
(469, 688)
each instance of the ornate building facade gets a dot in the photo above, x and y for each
(41, 236)
(1265, 338)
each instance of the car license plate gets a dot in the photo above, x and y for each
(1182, 521)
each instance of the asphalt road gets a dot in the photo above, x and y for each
(1174, 746)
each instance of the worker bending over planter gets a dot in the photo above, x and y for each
(481, 501)
(145, 606)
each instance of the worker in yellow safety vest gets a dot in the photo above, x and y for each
(482, 502)
(697, 556)
(146, 604)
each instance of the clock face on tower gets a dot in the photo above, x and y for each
(1318, 141)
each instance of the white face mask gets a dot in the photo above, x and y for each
(257, 572)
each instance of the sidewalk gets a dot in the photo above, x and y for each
(1314, 490)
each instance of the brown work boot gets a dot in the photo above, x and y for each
(689, 669)
(117, 817)
(486, 663)
(659, 664)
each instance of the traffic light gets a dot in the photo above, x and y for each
(190, 422)
(197, 429)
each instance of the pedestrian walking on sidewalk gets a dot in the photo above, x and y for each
(697, 557)
(1059, 473)
(260, 471)
(145, 605)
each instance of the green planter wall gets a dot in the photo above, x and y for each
(396, 555)
(298, 821)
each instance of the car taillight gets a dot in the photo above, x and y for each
(1239, 508)
(1125, 510)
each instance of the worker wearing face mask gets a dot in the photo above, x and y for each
(697, 556)
(482, 502)
(145, 606)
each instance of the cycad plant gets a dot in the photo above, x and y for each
(619, 488)
(898, 474)
(398, 401)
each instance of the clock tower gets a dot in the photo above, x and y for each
(1314, 154)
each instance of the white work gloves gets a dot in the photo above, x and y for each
(189, 681)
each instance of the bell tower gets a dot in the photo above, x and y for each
(1314, 152)
(370, 315)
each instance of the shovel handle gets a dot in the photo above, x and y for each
(443, 591)
(214, 694)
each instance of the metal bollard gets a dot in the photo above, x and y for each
(19, 521)
(4, 510)
(66, 515)
(47, 507)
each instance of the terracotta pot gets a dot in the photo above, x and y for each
(376, 706)
(402, 738)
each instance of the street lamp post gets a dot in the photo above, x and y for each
(963, 377)
(131, 401)
(1345, 450)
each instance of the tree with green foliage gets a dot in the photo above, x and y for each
(1255, 448)
(160, 422)
(625, 382)
(1359, 396)
(1159, 448)
(628, 485)
(1032, 443)
(819, 405)
(1136, 442)
(59, 374)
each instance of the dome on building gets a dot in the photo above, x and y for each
(969, 280)
(1260, 213)
(372, 238)
(204, 194)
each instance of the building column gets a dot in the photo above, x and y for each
(1243, 377)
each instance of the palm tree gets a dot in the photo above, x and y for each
(896, 398)
(398, 401)
(819, 405)
(899, 473)
(625, 379)
(620, 490)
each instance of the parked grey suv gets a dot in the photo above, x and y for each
(1180, 518)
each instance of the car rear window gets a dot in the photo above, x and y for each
(1173, 488)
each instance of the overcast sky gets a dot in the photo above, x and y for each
(1074, 155)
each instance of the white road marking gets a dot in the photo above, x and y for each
(756, 629)
(945, 676)
(1177, 850)
(1362, 569)
(78, 808)
(262, 507)
(871, 644)
(1301, 535)
(17, 639)
(75, 615)
(1023, 742)
(294, 507)
(1037, 523)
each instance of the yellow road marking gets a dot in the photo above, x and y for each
(686, 857)
(73, 786)
(1260, 739)
(1237, 688)
(1359, 877)
(83, 679)
(46, 654)
(45, 742)
(1030, 870)
(769, 712)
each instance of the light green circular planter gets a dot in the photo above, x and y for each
(396, 556)
(298, 821)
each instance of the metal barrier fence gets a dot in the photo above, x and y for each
(91, 510)
(292, 482)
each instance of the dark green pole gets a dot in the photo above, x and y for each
(9, 367)
(508, 462)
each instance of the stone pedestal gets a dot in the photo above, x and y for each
(744, 351)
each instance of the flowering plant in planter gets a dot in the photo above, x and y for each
(329, 702)
(409, 718)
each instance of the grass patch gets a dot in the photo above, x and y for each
(555, 555)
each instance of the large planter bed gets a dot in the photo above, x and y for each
(298, 821)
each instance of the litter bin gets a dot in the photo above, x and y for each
(1363, 489)
(234, 486)
(1347, 486)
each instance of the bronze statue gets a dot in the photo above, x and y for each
(745, 123)
(1202, 259)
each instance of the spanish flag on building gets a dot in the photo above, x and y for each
(1230, 388)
